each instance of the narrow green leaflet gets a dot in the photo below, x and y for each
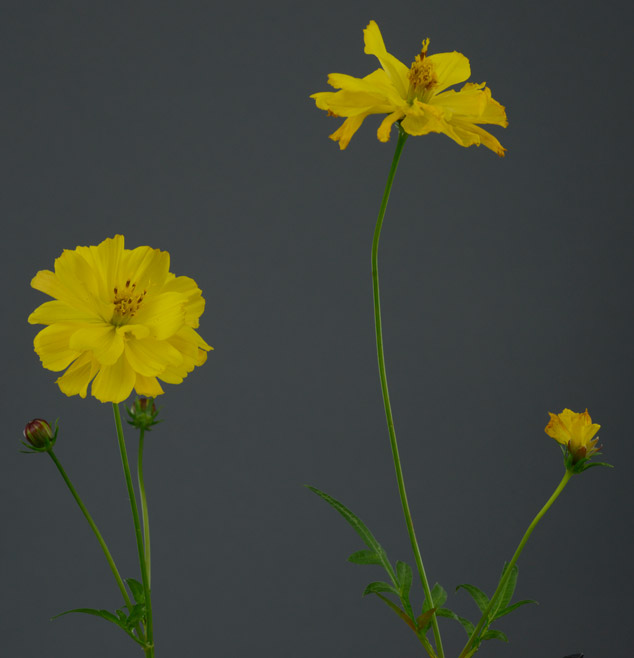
(137, 590)
(379, 586)
(495, 635)
(365, 557)
(360, 528)
(397, 610)
(121, 621)
(509, 588)
(404, 575)
(515, 606)
(466, 624)
(481, 599)
(438, 595)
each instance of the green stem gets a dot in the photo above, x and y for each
(516, 555)
(149, 651)
(144, 508)
(384, 389)
(93, 525)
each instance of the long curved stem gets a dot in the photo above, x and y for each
(485, 615)
(144, 508)
(149, 651)
(95, 529)
(384, 389)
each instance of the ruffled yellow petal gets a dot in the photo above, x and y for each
(76, 379)
(147, 386)
(52, 346)
(103, 340)
(146, 266)
(114, 383)
(347, 129)
(150, 357)
(57, 311)
(195, 304)
(450, 69)
(164, 313)
(383, 133)
(469, 134)
(395, 69)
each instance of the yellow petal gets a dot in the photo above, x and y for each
(76, 379)
(102, 340)
(383, 132)
(58, 311)
(195, 304)
(114, 383)
(395, 69)
(52, 346)
(469, 133)
(450, 69)
(164, 313)
(146, 266)
(347, 129)
(150, 357)
(147, 386)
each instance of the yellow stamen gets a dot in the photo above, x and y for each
(422, 77)
(126, 303)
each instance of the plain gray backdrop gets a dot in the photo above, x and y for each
(507, 293)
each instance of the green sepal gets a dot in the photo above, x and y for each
(120, 621)
(492, 634)
(137, 590)
(515, 606)
(361, 529)
(380, 586)
(450, 614)
(365, 557)
(481, 599)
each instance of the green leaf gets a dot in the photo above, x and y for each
(515, 606)
(138, 592)
(360, 528)
(404, 576)
(481, 599)
(376, 587)
(104, 614)
(509, 588)
(494, 635)
(466, 624)
(438, 596)
(424, 620)
(365, 557)
(137, 614)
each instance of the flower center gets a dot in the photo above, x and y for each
(422, 77)
(127, 302)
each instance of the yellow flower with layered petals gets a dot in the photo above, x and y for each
(120, 319)
(574, 430)
(416, 96)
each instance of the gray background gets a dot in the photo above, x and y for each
(507, 293)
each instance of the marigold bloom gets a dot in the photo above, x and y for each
(574, 430)
(415, 96)
(120, 319)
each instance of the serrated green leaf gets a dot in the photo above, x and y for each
(492, 634)
(379, 586)
(137, 590)
(509, 588)
(515, 606)
(466, 624)
(404, 576)
(137, 614)
(438, 596)
(360, 528)
(481, 599)
(365, 557)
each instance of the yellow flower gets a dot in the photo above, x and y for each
(576, 431)
(415, 96)
(120, 319)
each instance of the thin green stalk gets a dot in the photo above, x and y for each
(402, 137)
(93, 525)
(149, 651)
(144, 508)
(485, 615)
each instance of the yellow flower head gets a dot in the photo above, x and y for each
(120, 319)
(415, 96)
(575, 431)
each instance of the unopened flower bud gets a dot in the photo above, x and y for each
(143, 414)
(40, 435)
